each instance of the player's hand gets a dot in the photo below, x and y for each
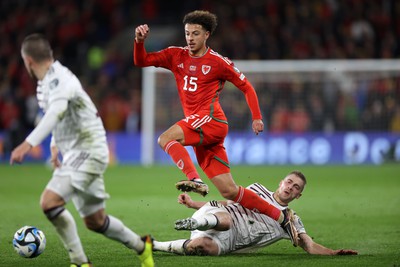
(185, 199)
(258, 126)
(141, 33)
(346, 252)
(54, 160)
(18, 154)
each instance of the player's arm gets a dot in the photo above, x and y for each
(140, 56)
(186, 200)
(241, 82)
(312, 247)
(139, 51)
(48, 122)
(55, 161)
(42, 130)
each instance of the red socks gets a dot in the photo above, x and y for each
(181, 157)
(252, 201)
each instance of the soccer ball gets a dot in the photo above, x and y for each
(29, 242)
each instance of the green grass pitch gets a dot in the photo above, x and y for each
(354, 207)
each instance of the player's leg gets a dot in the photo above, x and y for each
(248, 198)
(216, 166)
(172, 141)
(218, 221)
(114, 229)
(202, 246)
(207, 133)
(174, 246)
(212, 215)
(53, 199)
(198, 246)
(91, 207)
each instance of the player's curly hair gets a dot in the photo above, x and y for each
(204, 18)
(38, 47)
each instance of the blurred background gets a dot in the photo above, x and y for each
(95, 39)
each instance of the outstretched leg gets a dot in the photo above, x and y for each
(202, 246)
(252, 201)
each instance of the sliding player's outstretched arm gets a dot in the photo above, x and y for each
(312, 247)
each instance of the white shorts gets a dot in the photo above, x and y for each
(85, 189)
(221, 238)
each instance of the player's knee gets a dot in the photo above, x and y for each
(94, 225)
(224, 222)
(162, 140)
(49, 200)
(52, 213)
(97, 222)
(44, 205)
(202, 247)
(228, 193)
(172, 134)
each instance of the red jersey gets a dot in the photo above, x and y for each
(199, 79)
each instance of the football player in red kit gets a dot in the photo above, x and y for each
(200, 75)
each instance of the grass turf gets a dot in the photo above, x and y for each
(355, 207)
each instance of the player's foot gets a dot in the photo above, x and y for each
(146, 257)
(192, 186)
(186, 224)
(86, 264)
(288, 226)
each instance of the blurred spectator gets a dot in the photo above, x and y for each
(299, 120)
(395, 121)
(280, 118)
(133, 120)
(88, 37)
(347, 113)
(317, 113)
(114, 111)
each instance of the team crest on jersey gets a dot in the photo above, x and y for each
(53, 84)
(205, 69)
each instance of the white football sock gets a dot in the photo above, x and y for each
(206, 222)
(119, 232)
(66, 228)
(175, 246)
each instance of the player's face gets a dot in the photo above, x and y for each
(290, 188)
(196, 37)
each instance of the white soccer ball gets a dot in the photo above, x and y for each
(29, 242)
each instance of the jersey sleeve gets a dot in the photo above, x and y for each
(161, 58)
(47, 123)
(61, 88)
(237, 78)
(59, 94)
(298, 224)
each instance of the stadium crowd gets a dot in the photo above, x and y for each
(94, 39)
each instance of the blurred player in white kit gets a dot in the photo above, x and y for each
(79, 135)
